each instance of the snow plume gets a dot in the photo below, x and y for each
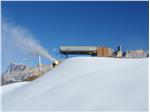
(24, 40)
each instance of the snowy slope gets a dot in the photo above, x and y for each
(89, 83)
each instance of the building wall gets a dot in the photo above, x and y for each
(104, 52)
(135, 54)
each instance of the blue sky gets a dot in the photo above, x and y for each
(82, 23)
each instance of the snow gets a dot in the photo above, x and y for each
(83, 84)
(7, 89)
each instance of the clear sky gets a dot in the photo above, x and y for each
(82, 23)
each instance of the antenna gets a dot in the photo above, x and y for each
(39, 62)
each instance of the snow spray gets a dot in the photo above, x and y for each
(24, 40)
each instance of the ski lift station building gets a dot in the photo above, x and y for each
(102, 52)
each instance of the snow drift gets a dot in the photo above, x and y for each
(87, 84)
